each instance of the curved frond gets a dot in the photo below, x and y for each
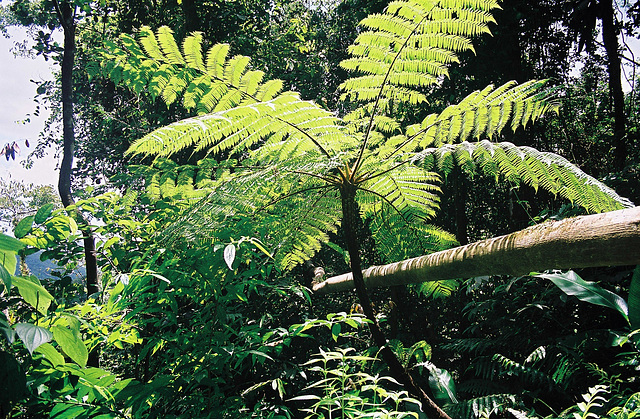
(483, 113)
(409, 191)
(535, 168)
(409, 47)
(287, 117)
(155, 63)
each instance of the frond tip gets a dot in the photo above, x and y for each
(535, 168)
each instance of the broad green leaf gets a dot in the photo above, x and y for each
(32, 336)
(634, 300)
(43, 213)
(71, 344)
(590, 292)
(9, 243)
(5, 275)
(335, 331)
(51, 354)
(442, 385)
(230, 255)
(34, 294)
(61, 227)
(24, 227)
(65, 410)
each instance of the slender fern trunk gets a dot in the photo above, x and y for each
(66, 16)
(350, 216)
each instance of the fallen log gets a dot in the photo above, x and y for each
(607, 239)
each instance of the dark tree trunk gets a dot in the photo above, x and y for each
(610, 39)
(191, 21)
(350, 216)
(66, 15)
(459, 204)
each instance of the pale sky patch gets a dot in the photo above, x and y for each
(17, 92)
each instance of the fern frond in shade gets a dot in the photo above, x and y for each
(538, 169)
(206, 82)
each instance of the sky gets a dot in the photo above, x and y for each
(16, 103)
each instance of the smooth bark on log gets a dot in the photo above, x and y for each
(607, 239)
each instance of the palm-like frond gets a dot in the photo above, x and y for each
(206, 82)
(535, 168)
(409, 47)
(301, 124)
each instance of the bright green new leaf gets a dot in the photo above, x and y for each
(51, 354)
(4, 273)
(571, 284)
(43, 213)
(32, 336)
(10, 243)
(71, 344)
(24, 227)
(34, 294)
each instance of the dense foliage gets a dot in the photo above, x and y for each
(246, 182)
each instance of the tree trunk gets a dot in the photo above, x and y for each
(350, 216)
(608, 239)
(66, 12)
(610, 39)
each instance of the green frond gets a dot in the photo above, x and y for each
(438, 289)
(191, 46)
(216, 59)
(150, 44)
(483, 114)
(538, 169)
(410, 46)
(408, 190)
(285, 117)
(526, 373)
(165, 179)
(169, 46)
(155, 63)
(303, 225)
(400, 236)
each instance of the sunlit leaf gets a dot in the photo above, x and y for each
(24, 227)
(34, 294)
(43, 213)
(32, 336)
(571, 284)
(72, 345)
(230, 255)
